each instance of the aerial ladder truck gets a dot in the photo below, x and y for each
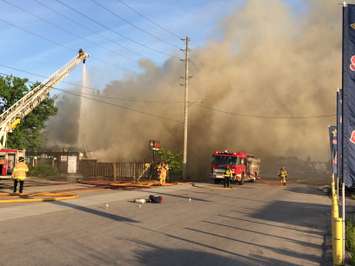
(11, 117)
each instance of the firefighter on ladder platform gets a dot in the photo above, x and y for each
(283, 174)
(19, 174)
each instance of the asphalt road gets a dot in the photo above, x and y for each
(253, 224)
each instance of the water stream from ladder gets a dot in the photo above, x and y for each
(84, 110)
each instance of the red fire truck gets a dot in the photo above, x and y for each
(8, 159)
(245, 167)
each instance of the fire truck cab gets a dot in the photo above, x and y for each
(8, 159)
(245, 167)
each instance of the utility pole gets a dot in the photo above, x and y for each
(186, 104)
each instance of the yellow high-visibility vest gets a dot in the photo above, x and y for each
(15, 123)
(20, 171)
(228, 173)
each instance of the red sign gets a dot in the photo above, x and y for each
(352, 63)
(352, 137)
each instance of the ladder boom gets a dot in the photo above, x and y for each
(35, 97)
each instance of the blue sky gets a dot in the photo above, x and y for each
(196, 18)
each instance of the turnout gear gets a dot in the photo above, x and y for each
(19, 174)
(283, 176)
(145, 171)
(20, 171)
(163, 169)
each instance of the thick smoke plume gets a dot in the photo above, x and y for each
(271, 62)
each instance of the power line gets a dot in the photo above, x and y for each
(283, 117)
(77, 23)
(105, 102)
(32, 33)
(48, 40)
(64, 16)
(150, 20)
(137, 101)
(94, 89)
(98, 23)
(110, 30)
(119, 106)
(201, 105)
(133, 25)
(60, 27)
(40, 18)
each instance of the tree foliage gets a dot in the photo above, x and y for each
(174, 161)
(29, 133)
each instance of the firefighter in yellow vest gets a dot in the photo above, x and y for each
(228, 175)
(163, 169)
(283, 175)
(19, 174)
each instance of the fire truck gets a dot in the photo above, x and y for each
(245, 167)
(8, 159)
(13, 116)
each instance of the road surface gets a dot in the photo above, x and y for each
(253, 224)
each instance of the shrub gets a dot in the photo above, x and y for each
(174, 161)
(43, 170)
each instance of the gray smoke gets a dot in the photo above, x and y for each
(270, 62)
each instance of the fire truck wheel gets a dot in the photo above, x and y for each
(217, 181)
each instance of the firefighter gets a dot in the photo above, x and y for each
(163, 169)
(283, 174)
(228, 175)
(145, 171)
(19, 174)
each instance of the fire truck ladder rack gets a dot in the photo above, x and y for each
(13, 115)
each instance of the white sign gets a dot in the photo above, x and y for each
(72, 164)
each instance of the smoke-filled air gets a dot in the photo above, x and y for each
(264, 85)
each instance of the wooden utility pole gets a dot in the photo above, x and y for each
(186, 104)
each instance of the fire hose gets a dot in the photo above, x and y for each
(36, 197)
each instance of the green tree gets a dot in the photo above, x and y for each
(29, 133)
(174, 161)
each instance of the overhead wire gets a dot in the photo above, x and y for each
(40, 18)
(94, 89)
(97, 23)
(257, 116)
(289, 117)
(112, 31)
(133, 25)
(32, 33)
(56, 26)
(65, 30)
(150, 20)
(105, 102)
(120, 106)
(87, 28)
(283, 117)
(56, 11)
(51, 41)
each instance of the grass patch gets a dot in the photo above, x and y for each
(350, 239)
